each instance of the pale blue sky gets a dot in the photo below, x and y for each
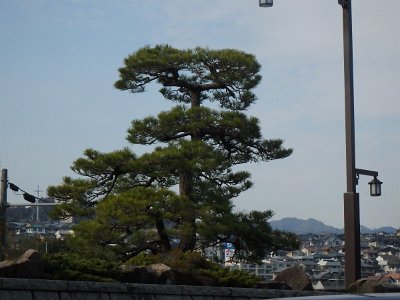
(59, 60)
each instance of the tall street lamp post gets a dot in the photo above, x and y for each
(351, 197)
(3, 207)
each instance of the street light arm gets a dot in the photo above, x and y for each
(366, 172)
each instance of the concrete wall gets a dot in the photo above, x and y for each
(38, 289)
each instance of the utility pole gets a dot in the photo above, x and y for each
(3, 208)
(38, 191)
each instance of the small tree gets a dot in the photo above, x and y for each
(194, 147)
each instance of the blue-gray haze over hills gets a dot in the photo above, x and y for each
(300, 226)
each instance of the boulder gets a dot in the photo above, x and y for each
(158, 269)
(273, 286)
(28, 265)
(295, 278)
(183, 277)
(163, 274)
(366, 286)
(137, 274)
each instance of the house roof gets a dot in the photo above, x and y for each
(16, 225)
(382, 278)
(330, 237)
(329, 263)
(310, 249)
(395, 276)
(372, 251)
(391, 259)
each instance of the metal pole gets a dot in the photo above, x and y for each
(3, 208)
(37, 207)
(351, 197)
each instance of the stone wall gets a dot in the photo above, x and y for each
(38, 289)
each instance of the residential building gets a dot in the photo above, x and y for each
(389, 263)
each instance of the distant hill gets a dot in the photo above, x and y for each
(300, 226)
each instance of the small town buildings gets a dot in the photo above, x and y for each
(57, 230)
(389, 263)
(36, 229)
(322, 258)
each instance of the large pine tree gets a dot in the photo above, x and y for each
(133, 199)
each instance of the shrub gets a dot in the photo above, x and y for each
(196, 263)
(71, 266)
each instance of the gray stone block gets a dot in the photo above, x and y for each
(169, 297)
(83, 296)
(33, 284)
(86, 286)
(143, 297)
(37, 289)
(42, 295)
(203, 298)
(206, 290)
(121, 296)
(154, 289)
(15, 295)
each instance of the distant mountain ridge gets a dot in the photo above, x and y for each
(300, 226)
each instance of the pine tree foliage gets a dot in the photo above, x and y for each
(179, 194)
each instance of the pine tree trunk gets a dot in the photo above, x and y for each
(162, 233)
(188, 237)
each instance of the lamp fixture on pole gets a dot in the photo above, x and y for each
(375, 187)
(266, 3)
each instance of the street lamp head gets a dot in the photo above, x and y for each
(266, 3)
(375, 187)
